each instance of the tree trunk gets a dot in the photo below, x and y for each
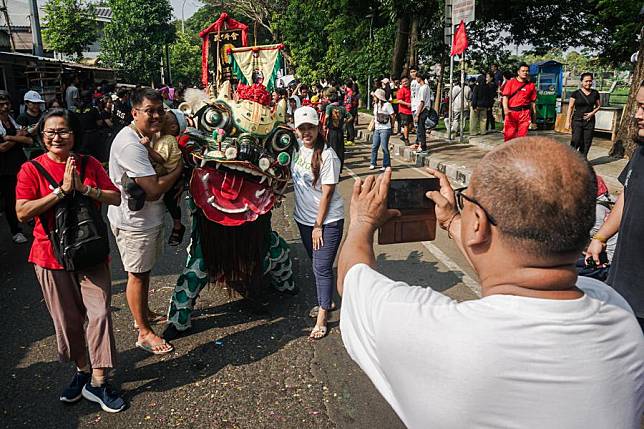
(400, 46)
(412, 59)
(627, 132)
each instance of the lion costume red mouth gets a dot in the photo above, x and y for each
(228, 198)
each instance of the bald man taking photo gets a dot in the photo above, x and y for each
(542, 348)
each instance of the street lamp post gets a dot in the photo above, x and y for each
(183, 22)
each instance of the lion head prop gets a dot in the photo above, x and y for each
(241, 151)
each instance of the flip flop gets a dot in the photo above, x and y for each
(150, 347)
(318, 330)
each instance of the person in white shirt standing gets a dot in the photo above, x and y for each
(383, 117)
(457, 98)
(422, 112)
(541, 348)
(319, 208)
(137, 223)
(414, 86)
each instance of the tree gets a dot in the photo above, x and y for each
(70, 26)
(627, 131)
(135, 38)
(185, 59)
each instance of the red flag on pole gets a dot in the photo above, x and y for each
(459, 45)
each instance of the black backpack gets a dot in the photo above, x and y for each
(79, 237)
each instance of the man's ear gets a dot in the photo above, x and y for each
(480, 230)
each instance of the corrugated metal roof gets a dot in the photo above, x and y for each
(103, 14)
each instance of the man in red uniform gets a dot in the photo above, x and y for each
(404, 108)
(519, 97)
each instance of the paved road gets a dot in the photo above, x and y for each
(238, 369)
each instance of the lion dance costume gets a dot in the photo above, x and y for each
(239, 153)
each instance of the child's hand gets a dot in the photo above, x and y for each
(145, 141)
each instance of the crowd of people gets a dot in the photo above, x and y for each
(539, 330)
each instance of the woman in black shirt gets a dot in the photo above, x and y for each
(12, 140)
(583, 105)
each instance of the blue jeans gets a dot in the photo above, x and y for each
(381, 139)
(323, 258)
(421, 132)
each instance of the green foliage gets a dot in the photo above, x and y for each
(185, 59)
(70, 26)
(135, 38)
(609, 28)
(329, 39)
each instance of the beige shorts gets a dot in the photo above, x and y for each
(139, 249)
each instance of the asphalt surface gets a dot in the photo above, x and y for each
(237, 369)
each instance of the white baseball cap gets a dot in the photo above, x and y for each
(33, 97)
(306, 115)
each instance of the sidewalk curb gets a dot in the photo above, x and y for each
(453, 171)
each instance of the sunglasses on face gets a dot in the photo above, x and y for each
(152, 112)
(460, 199)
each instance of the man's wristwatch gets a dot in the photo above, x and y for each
(59, 193)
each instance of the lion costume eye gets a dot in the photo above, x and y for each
(218, 115)
(282, 140)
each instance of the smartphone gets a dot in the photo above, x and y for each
(409, 194)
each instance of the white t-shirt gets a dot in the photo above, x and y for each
(386, 109)
(425, 95)
(457, 95)
(307, 197)
(414, 86)
(498, 362)
(128, 155)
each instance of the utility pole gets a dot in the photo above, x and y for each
(3, 9)
(35, 28)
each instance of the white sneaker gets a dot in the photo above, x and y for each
(382, 168)
(19, 238)
(372, 167)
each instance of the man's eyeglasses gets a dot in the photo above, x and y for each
(50, 134)
(151, 112)
(460, 196)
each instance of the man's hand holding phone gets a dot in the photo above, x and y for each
(444, 200)
(369, 202)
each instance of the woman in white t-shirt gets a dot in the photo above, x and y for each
(319, 209)
(383, 117)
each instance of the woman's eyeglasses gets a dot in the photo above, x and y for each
(50, 134)
(460, 196)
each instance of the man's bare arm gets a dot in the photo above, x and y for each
(368, 211)
(155, 186)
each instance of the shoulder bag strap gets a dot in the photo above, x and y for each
(52, 182)
(517, 91)
(82, 167)
(44, 172)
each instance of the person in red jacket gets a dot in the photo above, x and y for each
(404, 108)
(519, 97)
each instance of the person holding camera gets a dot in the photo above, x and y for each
(78, 300)
(541, 348)
(383, 117)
